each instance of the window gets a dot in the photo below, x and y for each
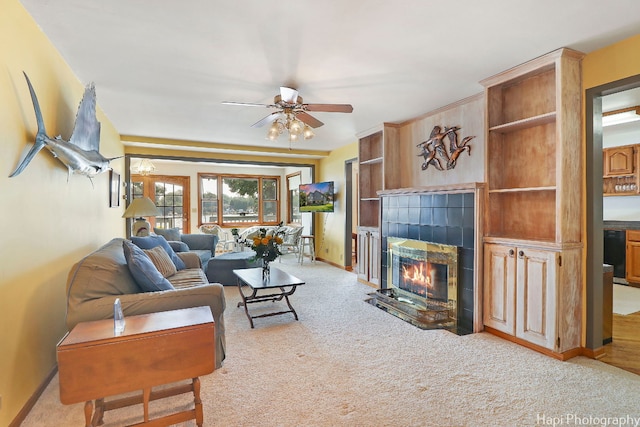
(293, 202)
(246, 200)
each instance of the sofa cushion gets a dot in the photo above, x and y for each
(160, 258)
(102, 273)
(168, 233)
(142, 269)
(149, 242)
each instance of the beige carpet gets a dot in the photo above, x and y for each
(626, 299)
(347, 363)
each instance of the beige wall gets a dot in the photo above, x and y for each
(331, 227)
(467, 114)
(48, 221)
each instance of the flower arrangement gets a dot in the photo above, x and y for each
(267, 247)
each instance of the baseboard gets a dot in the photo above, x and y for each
(594, 353)
(28, 406)
(566, 355)
(342, 267)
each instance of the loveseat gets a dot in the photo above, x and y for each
(99, 278)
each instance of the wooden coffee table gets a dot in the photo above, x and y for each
(280, 285)
(154, 349)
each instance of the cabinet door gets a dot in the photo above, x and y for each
(633, 257)
(374, 257)
(363, 255)
(499, 287)
(618, 161)
(535, 296)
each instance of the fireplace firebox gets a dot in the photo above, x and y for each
(422, 283)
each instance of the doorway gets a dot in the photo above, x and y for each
(594, 226)
(351, 213)
(170, 195)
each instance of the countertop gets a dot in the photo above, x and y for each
(621, 225)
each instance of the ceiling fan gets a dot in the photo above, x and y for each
(291, 112)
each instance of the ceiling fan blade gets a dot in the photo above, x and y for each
(288, 95)
(268, 119)
(330, 108)
(309, 119)
(246, 104)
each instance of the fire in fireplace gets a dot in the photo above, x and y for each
(422, 280)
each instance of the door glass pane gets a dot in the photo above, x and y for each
(169, 202)
(293, 182)
(240, 200)
(209, 196)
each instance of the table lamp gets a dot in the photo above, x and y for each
(138, 209)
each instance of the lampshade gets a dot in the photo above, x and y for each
(138, 209)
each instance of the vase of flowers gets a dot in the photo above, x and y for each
(267, 248)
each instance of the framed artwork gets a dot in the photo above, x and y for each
(114, 189)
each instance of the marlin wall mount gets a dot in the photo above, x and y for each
(80, 154)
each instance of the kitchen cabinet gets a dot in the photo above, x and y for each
(633, 257)
(620, 171)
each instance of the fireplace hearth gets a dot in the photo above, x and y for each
(421, 286)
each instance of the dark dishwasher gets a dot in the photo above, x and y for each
(615, 248)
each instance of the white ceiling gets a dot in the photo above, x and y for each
(162, 68)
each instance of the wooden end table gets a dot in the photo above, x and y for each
(280, 285)
(154, 349)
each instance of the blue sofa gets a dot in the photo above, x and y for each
(204, 245)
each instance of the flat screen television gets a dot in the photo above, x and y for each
(316, 197)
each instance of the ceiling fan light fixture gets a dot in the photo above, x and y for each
(296, 127)
(308, 132)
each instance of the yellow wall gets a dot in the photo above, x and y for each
(48, 223)
(331, 227)
(611, 63)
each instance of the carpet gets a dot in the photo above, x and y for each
(348, 363)
(626, 299)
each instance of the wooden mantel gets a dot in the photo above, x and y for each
(451, 188)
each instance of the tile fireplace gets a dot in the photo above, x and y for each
(429, 248)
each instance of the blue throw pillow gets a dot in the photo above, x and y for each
(171, 234)
(150, 242)
(142, 269)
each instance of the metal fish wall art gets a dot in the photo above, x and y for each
(80, 154)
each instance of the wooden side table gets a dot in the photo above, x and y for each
(307, 241)
(155, 349)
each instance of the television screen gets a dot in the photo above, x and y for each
(316, 197)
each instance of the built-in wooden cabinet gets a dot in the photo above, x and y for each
(526, 300)
(620, 171)
(378, 159)
(533, 172)
(633, 257)
(368, 267)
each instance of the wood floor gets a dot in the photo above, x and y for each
(624, 351)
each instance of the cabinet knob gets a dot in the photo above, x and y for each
(521, 254)
(511, 252)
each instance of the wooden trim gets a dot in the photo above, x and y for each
(464, 187)
(578, 351)
(31, 402)
(451, 106)
(594, 353)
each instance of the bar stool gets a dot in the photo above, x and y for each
(307, 241)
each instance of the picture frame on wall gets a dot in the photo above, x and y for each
(114, 189)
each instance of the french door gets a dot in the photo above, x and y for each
(170, 195)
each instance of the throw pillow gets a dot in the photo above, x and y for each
(142, 269)
(149, 242)
(160, 258)
(171, 234)
(210, 229)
